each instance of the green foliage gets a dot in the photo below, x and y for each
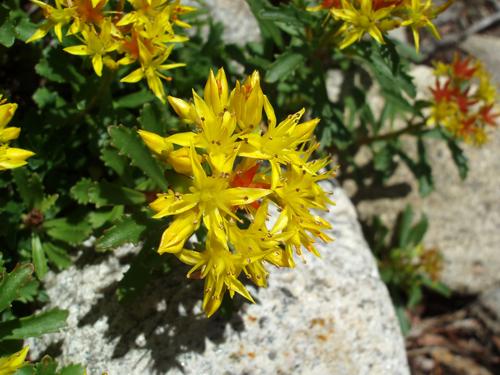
(405, 265)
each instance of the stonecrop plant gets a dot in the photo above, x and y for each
(228, 181)
(377, 17)
(464, 99)
(240, 167)
(118, 33)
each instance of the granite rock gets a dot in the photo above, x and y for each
(239, 23)
(330, 315)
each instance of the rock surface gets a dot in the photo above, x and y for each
(464, 216)
(331, 315)
(239, 24)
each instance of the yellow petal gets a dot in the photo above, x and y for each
(79, 50)
(181, 107)
(155, 143)
(7, 111)
(241, 196)
(133, 77)
(180, 160)
(9, 134)
(97, 64)
(9, 365)
(179, 231)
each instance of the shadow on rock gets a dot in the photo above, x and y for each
(165, 319)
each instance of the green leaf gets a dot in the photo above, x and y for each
(115, 161)
(284, 65)
(39, 259)
(44, 97)
(7, 30)
(459, 158)
(280, 15)
(268, 29)
(134, 100)
(73, 232)
(105, 194)
(29, 292)
(130, 144)
(47, 366)
(417, 233)
(57, 255)
(11, 283)
(99, 218)
(415, 296)
(29, 187)
(54, 66)
(436, 286)
(155, 118)
(34, 325)
(73, 370)
(404, 321)
(129, 230)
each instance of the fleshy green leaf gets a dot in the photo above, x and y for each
(11, 284)
(34, 325)
(105, 194)
(68, 231)
(39, 259)
(57, 255)
(284, 65)
(459, 158)
(126, 231)
(134, 100)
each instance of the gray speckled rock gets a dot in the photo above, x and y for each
(331, 315)
(239, 24)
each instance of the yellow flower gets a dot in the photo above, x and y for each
(247, 101)
(359, 21)
(151, 69)
(10, 157)
(95, 45)
(220, 268)
(241, 168)
(9, 365)
(179, 159)
(143, 35)
(56, 17)
(376, 17)
(210, 198)
(463, 100)
(279, 142)
(420, 15)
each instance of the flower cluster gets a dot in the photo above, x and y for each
(377, 17)
(464, 99)
(10, 157)
(9, 365)
(137, 32)
(241, 168)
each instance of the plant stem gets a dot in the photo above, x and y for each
(411, 128)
